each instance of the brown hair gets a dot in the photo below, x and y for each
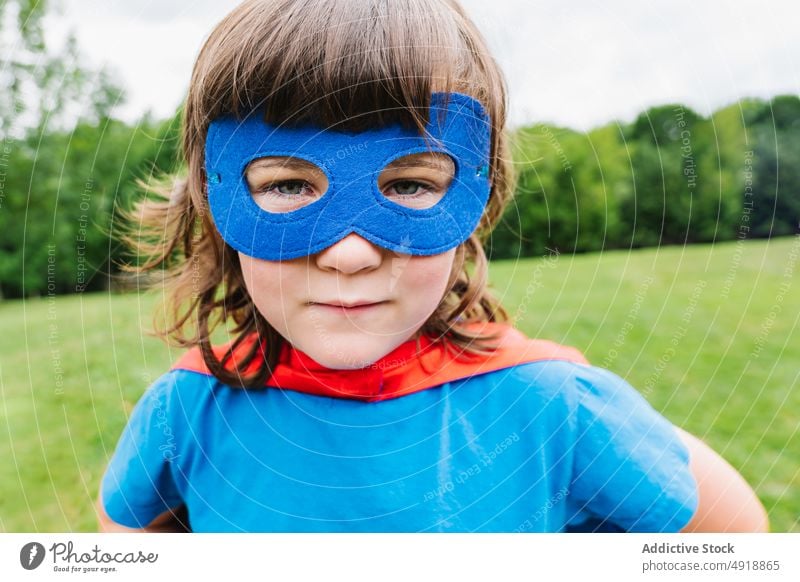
(348, 63)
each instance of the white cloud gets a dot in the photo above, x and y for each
(578, 64)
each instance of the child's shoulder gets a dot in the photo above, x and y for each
(554, 370)
(563, 370)
(182, 386)
(570, 380)
(179, 385)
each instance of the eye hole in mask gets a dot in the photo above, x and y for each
(280, 184)
(283, 184)
(417, 181)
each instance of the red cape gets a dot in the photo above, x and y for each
(403, 371)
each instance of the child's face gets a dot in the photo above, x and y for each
(311, 300)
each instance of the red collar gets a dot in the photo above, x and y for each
(402, 371)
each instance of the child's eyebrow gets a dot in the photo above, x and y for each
(433, 162)
(430, 161)
(283, 162)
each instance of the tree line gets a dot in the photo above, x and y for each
(671, 176)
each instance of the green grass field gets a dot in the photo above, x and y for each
(707, 333)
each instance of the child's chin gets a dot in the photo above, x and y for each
(353, 353)
(350, 361)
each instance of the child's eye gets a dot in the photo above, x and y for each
(285, 195)
(284, 184)
(413, 194)
(417, 181)
(408, 188)
(286, 188)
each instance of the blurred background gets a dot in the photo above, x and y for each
(656, 224)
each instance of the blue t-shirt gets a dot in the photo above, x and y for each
(545, 446)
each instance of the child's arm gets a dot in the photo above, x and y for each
(167, 522)
(726, 502)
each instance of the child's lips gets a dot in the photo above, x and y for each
(354, 308)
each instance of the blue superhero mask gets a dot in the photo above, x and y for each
(353, 202)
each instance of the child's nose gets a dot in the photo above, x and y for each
(350, 255)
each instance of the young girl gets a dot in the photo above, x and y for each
(345, 159)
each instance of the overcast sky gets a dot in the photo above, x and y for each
(579, 64)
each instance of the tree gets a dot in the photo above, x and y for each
(39, 189)
(774, 128)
